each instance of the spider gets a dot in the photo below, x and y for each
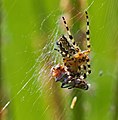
(75, 60)
(62, 75)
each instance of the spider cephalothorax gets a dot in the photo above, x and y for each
(76, 62)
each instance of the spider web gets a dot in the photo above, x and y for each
(38, 81)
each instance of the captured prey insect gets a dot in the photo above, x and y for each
(76, 63)
(62, 75)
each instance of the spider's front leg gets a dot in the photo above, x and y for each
(88, 65)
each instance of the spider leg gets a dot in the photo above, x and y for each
(85, 74)
(62, 50)
(87, 32)
(64, 39)
(71, 87)
(67, 45)
(88, 65)
(62, 86)
(70, 36)
(71, 84)
(62, 53)
(81, 72)
(66, 85)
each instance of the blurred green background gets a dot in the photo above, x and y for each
(28, 29)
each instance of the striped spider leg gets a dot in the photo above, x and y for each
(66, 50)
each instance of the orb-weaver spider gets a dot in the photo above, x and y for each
(76, 62)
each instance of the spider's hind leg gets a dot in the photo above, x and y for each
(87, 32)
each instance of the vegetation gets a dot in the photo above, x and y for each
(27, 26)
